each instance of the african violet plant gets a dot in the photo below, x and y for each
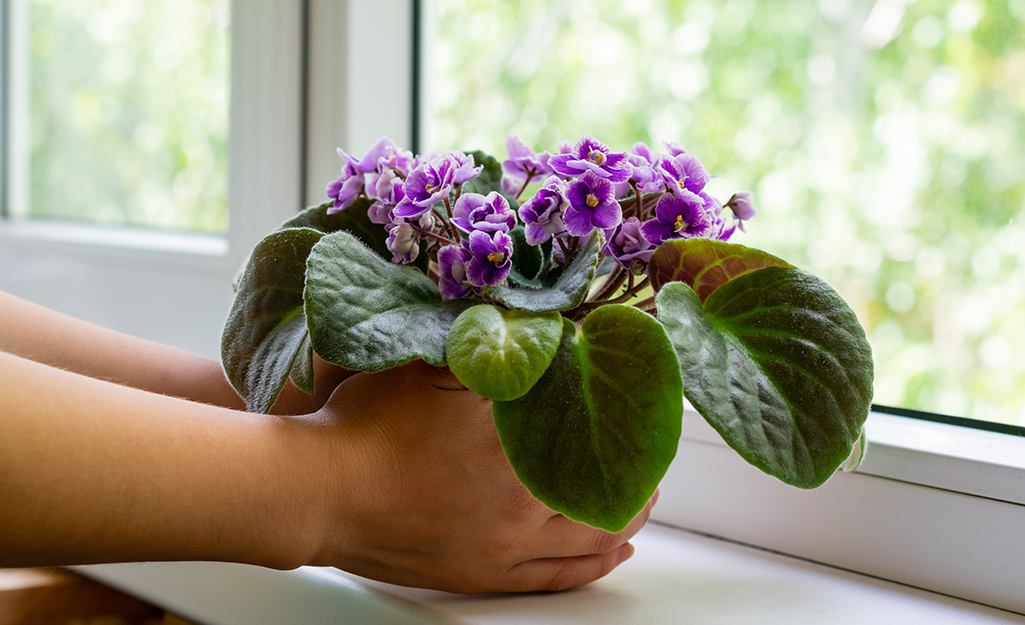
(585, 312)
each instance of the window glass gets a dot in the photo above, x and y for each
(127, 109)
(884, 141)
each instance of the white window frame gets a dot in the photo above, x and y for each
(934, 506)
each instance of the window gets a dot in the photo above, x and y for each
(882, 139)
(121, 113)
(169, 223)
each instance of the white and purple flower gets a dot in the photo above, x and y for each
(523, 163)
(346, 188)
(683, 174)
(490, 258)
(543, 214)
(452, 263)
(592, 204)
(431, 182)
(682, 218)
(594, 156)
(626, 244)
(474, 211)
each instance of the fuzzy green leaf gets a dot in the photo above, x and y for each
(265, 336)
(566, 291)
(369, 314)
(777, 362)
(593, 438)
(500, 354)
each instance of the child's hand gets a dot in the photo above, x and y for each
(419, 493)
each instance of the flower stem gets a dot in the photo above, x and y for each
(444, 240)
(565, 250)
(530, 176)
(615, 279)
(448, 222)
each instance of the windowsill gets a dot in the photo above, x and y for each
(675, 576)
(123, 238)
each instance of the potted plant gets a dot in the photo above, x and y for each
(585, 292)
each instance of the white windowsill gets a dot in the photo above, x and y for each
(123, 238)
(674, 577)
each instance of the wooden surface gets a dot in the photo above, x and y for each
(56, 597)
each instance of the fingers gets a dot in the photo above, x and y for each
(562, 537)
(555, 574)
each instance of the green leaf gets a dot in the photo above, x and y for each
(302, 369)
(265, 336)
(705, 265)
(500, 354)
(593, 438)
(369, 314)
(354, 220)
(567, 291)
(777, 362)
(527, 260)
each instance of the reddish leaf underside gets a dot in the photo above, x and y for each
(705, 265)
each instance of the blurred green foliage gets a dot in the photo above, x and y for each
(129, 112)
(884, 141)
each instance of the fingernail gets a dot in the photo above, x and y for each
(625, 553)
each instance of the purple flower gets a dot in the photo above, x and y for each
(523, 163)
(404, 237)
(683, 174)
(431, 182)
(593, 156)
(642, 174)
(490, 258)
(426, 184)
(473, 211)
(452, 261)
(592, 204)
(682, 218)
(641, 149)
(462, 166)
(543, 213)
(385, 166)
(674, 148)
(346, 188)
(626, 244)
(743, 208)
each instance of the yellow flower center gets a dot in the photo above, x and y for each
(682, 185)
(597, 157)
(428, 188)
(591, 200)
(497, 257)
(679, 223)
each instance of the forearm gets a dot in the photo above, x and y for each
(96, 472)
(36, 333)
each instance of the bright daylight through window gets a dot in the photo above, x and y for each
(883, 140)
(123, 111)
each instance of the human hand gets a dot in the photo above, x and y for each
(419, 493)
(326, 377)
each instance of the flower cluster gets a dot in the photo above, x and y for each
(638, 199)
